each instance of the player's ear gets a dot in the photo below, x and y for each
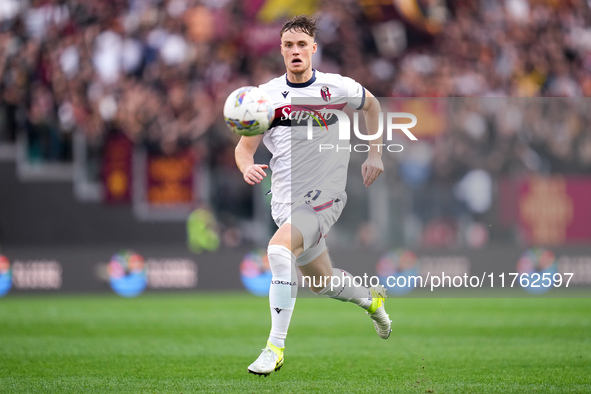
(314, 48)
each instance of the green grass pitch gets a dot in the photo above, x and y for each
(182, 343)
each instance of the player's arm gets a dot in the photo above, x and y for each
(373, 166)
(244, 154)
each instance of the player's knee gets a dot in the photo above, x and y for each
(281, 238)
(280, 260)
(289, 237)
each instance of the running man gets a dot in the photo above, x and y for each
(308, 186)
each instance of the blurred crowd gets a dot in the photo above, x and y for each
(455, 179)
(160, 70)
(521, 48)
(508, 136)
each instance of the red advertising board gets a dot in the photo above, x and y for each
(117, 168)
(548, 210)
(170, 178)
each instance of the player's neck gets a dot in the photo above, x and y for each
(300, 77)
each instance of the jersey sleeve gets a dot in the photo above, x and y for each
(270, 90)
(355, 93)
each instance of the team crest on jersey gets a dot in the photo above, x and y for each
(325, 93)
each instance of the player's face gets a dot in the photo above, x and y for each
(297, 49)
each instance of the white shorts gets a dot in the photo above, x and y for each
(313, 214)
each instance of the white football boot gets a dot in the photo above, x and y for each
(270, 360)
(376, 311)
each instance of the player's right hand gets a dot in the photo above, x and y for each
(255, 173)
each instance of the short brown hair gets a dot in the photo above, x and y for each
(300, 23)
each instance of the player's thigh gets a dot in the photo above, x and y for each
(315, 221)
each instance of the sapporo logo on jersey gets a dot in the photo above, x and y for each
(324, 115)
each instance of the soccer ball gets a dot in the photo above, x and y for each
(248, 111)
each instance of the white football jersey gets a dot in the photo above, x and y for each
(299, 165)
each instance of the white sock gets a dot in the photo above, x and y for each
(282, 293)
(345, 290)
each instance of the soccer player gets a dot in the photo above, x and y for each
(308, 186)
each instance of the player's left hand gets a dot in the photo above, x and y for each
(371, 169)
